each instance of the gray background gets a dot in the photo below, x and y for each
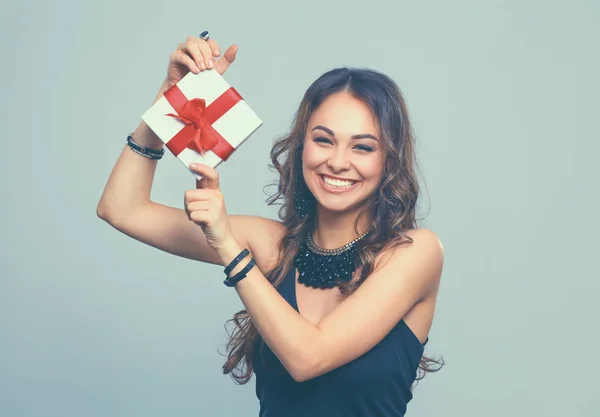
(503, 96)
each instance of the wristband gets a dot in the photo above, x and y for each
(230, 282)
(143, 150)
(236, 261)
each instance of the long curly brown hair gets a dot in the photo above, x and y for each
(390, 210)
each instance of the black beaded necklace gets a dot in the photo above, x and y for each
(322, 268)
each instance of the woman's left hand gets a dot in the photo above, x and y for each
(205, 206)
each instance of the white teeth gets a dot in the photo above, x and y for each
(336, 182)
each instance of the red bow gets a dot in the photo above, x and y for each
(198, 133)
(201, 139)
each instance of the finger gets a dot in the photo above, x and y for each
(199, 216)
(227, 59)
(181, 58)
(207, 53)
(191, 196)
(199, 206)
(202, 50)
(214, 45)
(191, 48)
(210, 178)
(198, 202)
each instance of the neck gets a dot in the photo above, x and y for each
(334, 230)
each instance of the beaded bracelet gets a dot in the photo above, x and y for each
(143, 150)
(231, 282)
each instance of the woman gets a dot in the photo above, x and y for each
(340, 294)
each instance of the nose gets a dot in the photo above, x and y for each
(338, 160)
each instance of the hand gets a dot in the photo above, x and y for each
(197, 55)
(205, 206)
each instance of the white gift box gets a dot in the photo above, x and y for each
(226, 117)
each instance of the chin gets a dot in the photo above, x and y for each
(342, 202)
(339, 209)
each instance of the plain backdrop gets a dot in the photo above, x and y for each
(504, 100)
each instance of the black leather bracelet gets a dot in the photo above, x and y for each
(236, 261)
(231, 282)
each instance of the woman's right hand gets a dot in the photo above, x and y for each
(197, 55)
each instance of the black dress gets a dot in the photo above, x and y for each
(374, 384)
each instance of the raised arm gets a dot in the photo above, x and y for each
(125, 203)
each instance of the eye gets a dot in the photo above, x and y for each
(364, 148)
(321, 139)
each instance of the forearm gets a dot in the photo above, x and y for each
(292, 338)
(130, 181)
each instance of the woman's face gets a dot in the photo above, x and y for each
(343, 156)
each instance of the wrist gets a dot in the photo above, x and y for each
(164, 87)
(236, 262)
(228, 251)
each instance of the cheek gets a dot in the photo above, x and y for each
(312, 155)
(370, 168)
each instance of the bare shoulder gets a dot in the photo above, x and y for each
(263, 237)
(426, 247)
(426, 240)
(423, 241)
(422, 252)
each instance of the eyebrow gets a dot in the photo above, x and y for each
(329, 131)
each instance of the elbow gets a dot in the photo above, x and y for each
(108, 213)
(310, 362)
(306, 370)
(101, 211)
(300, 377)
(104, 211)
(304, 374)
(112, 208)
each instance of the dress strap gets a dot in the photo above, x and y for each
(287, 287)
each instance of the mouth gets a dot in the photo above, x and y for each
(335, 185)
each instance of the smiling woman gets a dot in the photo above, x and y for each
(340, 293)
(351, 255)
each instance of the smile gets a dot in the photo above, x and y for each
(335, 185)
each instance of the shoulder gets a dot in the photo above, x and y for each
(422, 253)
(427, 249)
(263, 237)
(422, 241)
(426, 240)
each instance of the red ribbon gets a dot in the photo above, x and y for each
(198, 133)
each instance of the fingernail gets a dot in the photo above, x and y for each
(196, 68)
(217, 52)
(193, 165)
(210, 63)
